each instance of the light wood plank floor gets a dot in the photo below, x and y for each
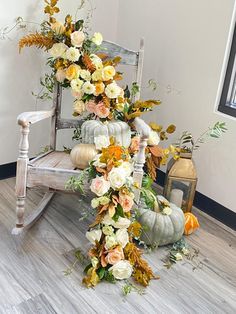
(31, 268)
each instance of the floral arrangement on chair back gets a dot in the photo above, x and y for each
(92, 78)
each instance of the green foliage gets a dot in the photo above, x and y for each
(46, 91)
(101, 272)
(129, 287)
(134, 89)
(187, 143)
(76, 183)
(66, 150)
(119, 213)
(77, 134)
(109, 277)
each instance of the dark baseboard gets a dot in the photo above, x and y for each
(8, 170)
(202, 202)
(207, 205)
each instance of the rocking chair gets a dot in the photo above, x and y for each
(52, 169)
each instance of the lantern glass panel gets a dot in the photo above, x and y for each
(187, 188)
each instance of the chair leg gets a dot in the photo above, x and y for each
(20, 211)
(22, 224)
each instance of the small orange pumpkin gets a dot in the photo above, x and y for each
(191, 223)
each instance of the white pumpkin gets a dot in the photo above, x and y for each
(160, 229)
(118, 129)
(82, 154)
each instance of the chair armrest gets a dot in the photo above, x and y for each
(32, 117)
(142, 127)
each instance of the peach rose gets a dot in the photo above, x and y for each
(126, 201)
(90, 106)
(77, 38)
(101, 110)
(134, 146)
(77, 95)
(115, 255)
(61, 75)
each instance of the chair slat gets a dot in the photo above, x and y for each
(128, 57)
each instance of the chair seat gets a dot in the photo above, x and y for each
(53, 159)
(51, 170)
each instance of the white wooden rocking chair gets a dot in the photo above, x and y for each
(52, 169)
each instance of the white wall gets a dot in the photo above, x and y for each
(185, 42)
(19, 74)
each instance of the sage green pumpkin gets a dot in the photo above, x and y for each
(160, 229)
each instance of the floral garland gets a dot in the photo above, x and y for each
(92, 77)
(114, 255)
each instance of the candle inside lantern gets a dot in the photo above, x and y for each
(176, 197)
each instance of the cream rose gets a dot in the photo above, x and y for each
(114, 256)
(96, 61)
(121, 270)
(127, 167)
(88, 88)
(107, 220)
(97, 39)
(154, 138)
(122, 237)
(97, 75)
(110, 241)
(103, 200)
(85, 74)
(79, 106)
(94, 235)
(101, 141)
(77, 38)
(58, 50)
(112, 90)
(101, 110)
(108, 72)
(60, 75)
(121, 223)
(99, 186)
(58, 28)
(117, 178)
(72, 54)
(107, 230)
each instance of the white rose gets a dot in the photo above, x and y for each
(79, 106)
(76, 85)
(88, 88)
(121, 270)
(72, 54)
(122, 237)
(97, 162)
(85, 74)
(127, 167)
(97, 39)
(94, 235)
(96, 61)
(107, 220)
(101, 141)
(103, 200)
(58, 50)
(110, 241)
(77, 38)
(121, 223)
(107, 230)
(167, 211)
(99, 186)
(60, 75)
(154, 138)
(117, 178)
(112, 90)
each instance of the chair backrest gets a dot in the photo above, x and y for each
(128, 57)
